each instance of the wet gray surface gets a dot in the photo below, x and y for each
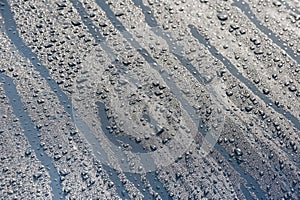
(150, 99)
(31, 134)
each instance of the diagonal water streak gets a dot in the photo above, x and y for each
(289, 7)
(13, 34)
(245, 8)
(234, 71)
(31, 134)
